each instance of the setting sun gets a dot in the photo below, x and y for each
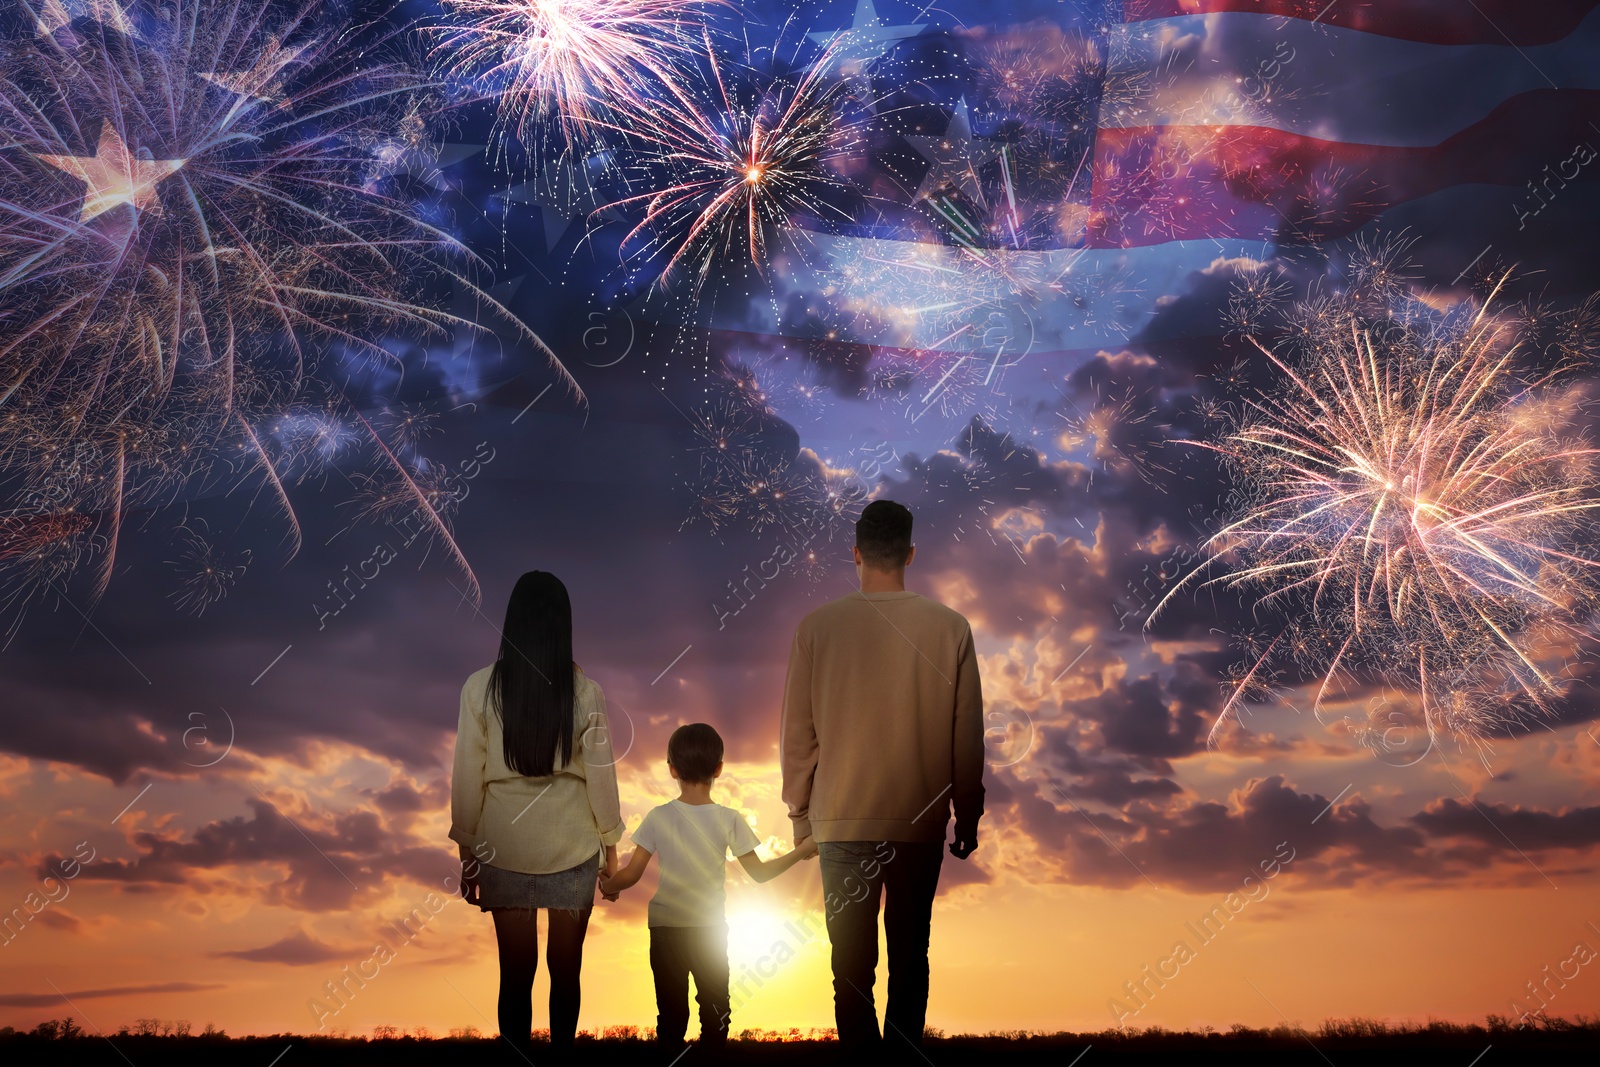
(753, 934)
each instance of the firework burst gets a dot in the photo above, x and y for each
(730, 423)
(31, 536)
(1412, 514)
(766, 493)
(307, 439)
(724, 166)
(37, 554)
(408, 425)
(206, 573)
(1255, 298)
(186, 218)
(743, 476)
(790, 385)
(1120, 433)
(576, 61)
(1044, 76)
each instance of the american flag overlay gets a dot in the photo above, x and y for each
(1236, 359)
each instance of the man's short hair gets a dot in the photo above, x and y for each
(694, 751)
(883, 534)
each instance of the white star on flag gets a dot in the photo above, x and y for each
(866, 38)
(954, 158)
(58, 14)
(113, 176)
(426, 162)
(262, 81)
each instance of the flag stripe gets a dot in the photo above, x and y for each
(1167, 183)
(1076, 298)
(1334, 83)
(1519, 22)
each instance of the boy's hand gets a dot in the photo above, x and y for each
(606, 891)
(807, 847)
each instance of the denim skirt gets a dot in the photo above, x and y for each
(570, 890)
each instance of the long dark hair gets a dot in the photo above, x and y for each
(530, 687)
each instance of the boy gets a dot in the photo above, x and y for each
(688, 930)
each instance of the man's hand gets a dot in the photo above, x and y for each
(807, 847)
(965, 844)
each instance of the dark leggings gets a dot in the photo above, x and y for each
(517, 934)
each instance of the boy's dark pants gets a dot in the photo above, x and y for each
(854, 873)
(676, 952)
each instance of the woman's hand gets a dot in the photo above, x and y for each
(469, 876)
(608, 871)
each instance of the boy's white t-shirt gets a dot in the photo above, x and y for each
(691, 843)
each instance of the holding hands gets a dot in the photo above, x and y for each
(613, 881)
(765, 870)
(608, 872)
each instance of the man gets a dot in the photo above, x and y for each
(882, 732)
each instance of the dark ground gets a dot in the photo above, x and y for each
(1336, 1043)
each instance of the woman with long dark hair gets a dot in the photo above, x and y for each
(533, 803)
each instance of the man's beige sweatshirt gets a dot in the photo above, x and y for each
(882, 721)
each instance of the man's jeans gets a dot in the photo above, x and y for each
(853, 874)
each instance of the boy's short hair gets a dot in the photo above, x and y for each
(883, 534)
(694, 751)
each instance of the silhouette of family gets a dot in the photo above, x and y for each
(880, 740)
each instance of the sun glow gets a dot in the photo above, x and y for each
(752, 933)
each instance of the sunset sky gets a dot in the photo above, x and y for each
(264, 787)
